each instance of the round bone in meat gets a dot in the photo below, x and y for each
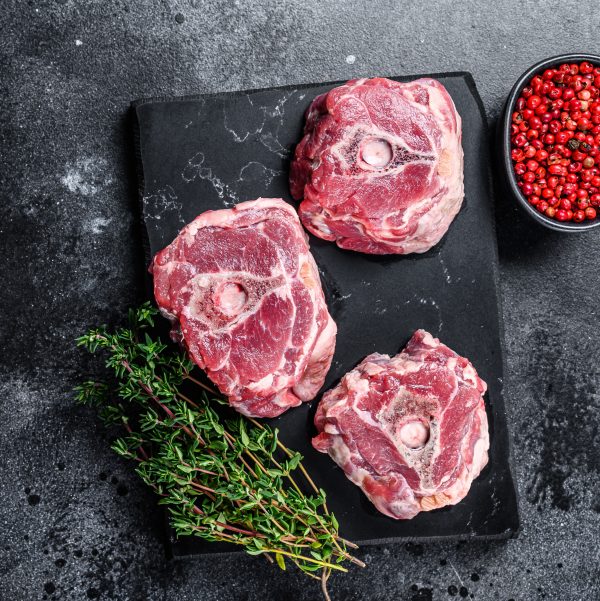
(380, 167)
(244, 295)
(410, 430)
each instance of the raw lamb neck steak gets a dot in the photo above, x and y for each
(411, 430)
(244, 295)
(380, 167)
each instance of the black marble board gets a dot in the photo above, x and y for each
(211, 151)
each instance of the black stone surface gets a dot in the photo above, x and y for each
(377, 302)
(75, 523)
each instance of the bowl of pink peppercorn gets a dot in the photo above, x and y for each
(551, 142)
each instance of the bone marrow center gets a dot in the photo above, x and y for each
(376, 152)
(414, 434)
(230, 298)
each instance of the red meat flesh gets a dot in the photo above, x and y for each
(244, 295)
(411, 430)
(380, 167)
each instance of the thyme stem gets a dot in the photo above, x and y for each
(222, 478)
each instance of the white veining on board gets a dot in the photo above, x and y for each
(196, 168)
(267, 173)
(379, 309)
(432, 303)
(262, 124)
(445, 271)
(267, 115)
(279, 109)
(272, 143)
(427, 301)
(240, 135)
(270, 140)
(160, 202)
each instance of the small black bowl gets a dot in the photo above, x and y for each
(505, 145)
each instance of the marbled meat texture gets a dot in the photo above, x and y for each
(244, 294)
(380, 167)
(411, 430)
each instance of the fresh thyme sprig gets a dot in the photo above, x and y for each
(226, 480)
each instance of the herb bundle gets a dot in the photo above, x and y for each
(228, 480)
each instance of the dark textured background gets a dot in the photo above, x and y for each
(74, 521)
